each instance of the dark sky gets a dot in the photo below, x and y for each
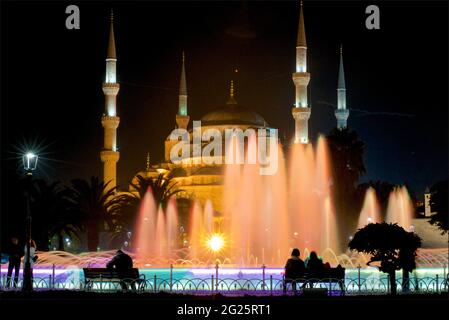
(51, 78)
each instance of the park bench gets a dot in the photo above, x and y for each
(331, 275)
(106, 276)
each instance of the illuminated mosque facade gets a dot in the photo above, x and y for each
(199, 180)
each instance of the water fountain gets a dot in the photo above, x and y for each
(263, 218)
(400, 208)
(370, 211)
(156, 231)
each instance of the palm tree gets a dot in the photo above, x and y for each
(346, 153)
(95, 202)
(163, 187)
(13, 217)
(67, 223)
(51, 212)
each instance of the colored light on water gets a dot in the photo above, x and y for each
(235, 271)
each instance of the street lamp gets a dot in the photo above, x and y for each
(29, 164)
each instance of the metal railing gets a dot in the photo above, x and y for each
(241, 286)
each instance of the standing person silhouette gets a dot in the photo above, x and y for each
(15, 254)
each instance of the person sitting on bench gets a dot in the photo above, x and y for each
(294, 269)
(315, 268)
(121, 262)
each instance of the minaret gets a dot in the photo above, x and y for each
(301, 78)
(182, 118)
(231, 100)
(148, 162)
(109, 155)
(341, 113)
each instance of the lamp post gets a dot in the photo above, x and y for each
(29, 164)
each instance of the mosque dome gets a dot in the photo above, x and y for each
(233, 114)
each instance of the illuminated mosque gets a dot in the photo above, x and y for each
(197, 179)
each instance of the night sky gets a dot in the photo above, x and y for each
(51, 78)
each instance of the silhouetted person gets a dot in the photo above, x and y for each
(315, 267)
(121, 263)
(294, 270)
(15, 254)
(341, 273)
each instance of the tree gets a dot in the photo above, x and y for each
(439, 205)
(13, 217)
(163, 187)
(95, 202)
(346, 153)
(50, 207)
(391, 246)
(411, 242)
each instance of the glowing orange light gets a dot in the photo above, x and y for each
(215, 242)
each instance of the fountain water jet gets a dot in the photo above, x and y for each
(400, 208)
(172, 226)
(161, 233)
(268, 215)
(195, 230)
(209, 217)
(156, 230)
(370, 211)
(145, 227)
